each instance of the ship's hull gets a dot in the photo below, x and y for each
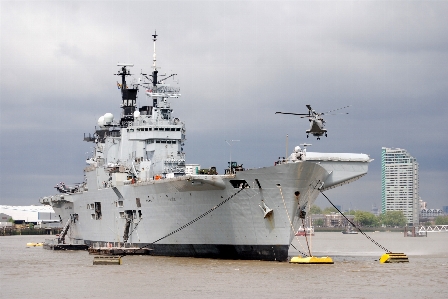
(199, 216)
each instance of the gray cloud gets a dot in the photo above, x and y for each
(238, 63)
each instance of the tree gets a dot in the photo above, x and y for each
(393, 218)
(315, 210)
(441, 220)
(366, 218)
(329, 210)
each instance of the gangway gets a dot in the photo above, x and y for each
(64, 231)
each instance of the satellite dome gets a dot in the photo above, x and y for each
(297, 149)
(108, 118)
(101, 121)
(136, 113)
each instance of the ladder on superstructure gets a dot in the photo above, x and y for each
(64, 231)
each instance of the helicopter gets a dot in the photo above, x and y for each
(317, 123)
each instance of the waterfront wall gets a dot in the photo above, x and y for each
(12, 231)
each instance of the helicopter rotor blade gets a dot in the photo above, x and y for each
(336, 113)
(290, 113)
(336, 110)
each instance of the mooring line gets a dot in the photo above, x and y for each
(197, 218)
(304, 229)
(193, 221)
(135, 227)
(368, 237)
(290, 222)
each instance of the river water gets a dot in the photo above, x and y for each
(356, 273)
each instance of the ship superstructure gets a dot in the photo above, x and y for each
(137, 191)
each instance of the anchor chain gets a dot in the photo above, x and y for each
(368, 237)
(194, 220)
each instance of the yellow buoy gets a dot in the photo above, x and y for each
(33, 244)
(311, 260)
(394, 258)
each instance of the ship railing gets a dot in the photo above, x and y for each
(146, 121)
(338, 159)
(285, 161)
(47, 200)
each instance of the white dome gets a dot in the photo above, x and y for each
(297, 149)
(108, 118)
(101, 121)
(136, 113)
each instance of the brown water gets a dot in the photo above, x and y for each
(35, 272)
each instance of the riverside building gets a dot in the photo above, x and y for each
(399, 182)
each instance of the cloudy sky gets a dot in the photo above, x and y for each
(238, 62)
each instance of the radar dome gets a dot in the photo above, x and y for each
(101, 121)
(108, 118)
(297, 149)
(136, 113)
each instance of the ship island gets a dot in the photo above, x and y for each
(139, 191)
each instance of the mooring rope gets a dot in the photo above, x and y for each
(368, 237)
(197, 218)
(292, 226)
(135, 227)
(306, 238)
(192, 221)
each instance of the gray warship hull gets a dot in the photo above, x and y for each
(218, 216)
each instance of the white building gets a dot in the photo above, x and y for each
(399, 182)
(28, 214)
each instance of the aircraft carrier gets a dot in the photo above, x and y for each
(138, 191)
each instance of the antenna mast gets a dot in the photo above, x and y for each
(154, 72)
